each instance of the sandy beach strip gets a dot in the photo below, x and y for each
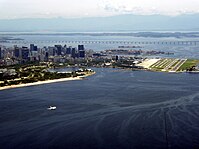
(45, 82)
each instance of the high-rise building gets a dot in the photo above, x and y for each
(64, 48)
(35, 48)
(31, 47)
(59, 49)
(69, 50)
(0, 52)
(51, 51)
(73, 53)
(16, 52)
(46, 56)
(24, 53)
(82, 53)
(80, 47)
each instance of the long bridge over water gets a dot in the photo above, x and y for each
(188, 43)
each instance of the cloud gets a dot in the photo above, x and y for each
(93, 8)
(48, 8)
(148, 7)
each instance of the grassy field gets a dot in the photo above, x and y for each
(173, 64)
(188, 64)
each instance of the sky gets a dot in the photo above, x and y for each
(10, 9)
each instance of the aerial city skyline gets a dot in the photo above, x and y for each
(99, 74)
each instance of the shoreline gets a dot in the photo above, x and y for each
(46, 82)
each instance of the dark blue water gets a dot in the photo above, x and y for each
(114, 109)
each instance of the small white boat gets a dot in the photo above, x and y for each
(52, 108)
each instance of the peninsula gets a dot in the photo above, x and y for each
(170, 64)
(36, 75)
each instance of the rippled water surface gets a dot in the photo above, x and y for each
(112, 109)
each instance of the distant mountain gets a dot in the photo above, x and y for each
(113, 23)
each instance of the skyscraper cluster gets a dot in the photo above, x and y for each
(33, 53)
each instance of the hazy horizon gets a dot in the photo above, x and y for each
(98, 15)
(117, 23)
(94, 8)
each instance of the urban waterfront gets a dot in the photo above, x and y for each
(181, 51)
(99, 74)
(114, 108)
